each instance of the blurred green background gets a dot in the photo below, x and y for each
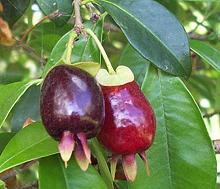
(21, 61)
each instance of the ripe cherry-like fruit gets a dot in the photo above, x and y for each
(72, 111)
(129, 125)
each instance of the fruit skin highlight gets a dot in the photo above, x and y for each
(129, 125)
(72, 110)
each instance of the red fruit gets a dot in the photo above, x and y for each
(129, 125)
(128, 116)
(72, 110)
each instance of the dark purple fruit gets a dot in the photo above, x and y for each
(72, 110)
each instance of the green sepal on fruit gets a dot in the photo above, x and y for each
(122, 76)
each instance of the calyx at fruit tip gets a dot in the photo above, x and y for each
(66, 146)
(122, 76)
(81, 150)
(81, 157)
(130, 166)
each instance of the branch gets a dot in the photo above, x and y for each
(84, 2)
(78, 27)
(92, 11)
(211, 114)
(111, 27)
(31, 52)
(197, 36)
(34, 185)
(52, 15)
(217, 146)
(13, 172)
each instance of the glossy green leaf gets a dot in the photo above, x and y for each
(30, 143)
(10, 94)
(202, 87)
(2, 185)
(27, 107)
(135, 62)
(154, 32)
(62, 6)
(206, 52)
(13, 72)
(13, 9)
(103, 166)
(46, 35)
(53, 175)
(170, 5)
(182, 155)
(4, 139)
(122, 184)
(84, 50)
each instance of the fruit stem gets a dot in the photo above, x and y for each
(86, 1)
(102, 50)
(69, 49)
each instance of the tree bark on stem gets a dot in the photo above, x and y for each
(78, 20)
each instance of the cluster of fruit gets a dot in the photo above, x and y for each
(76, 106)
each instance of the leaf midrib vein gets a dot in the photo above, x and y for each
(23, 89)
(165, 122)
(204, 56)
(64, 175)
(38, 142)
(87, 42)
(124, 10)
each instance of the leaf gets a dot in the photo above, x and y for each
(103, 166)
(202, 86)
(46, 35)
(84, 50)
(135, 62)
(90, 67)
(207, 53)
(154, 32)
(182, 155)
(53, 175)
(30, 143)
(10, 94)
(4, 139)
(122, 184)
(170, 5)
(13, 9)
(62, 6)
(27, 107)
(2, 185)
(14, 72)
